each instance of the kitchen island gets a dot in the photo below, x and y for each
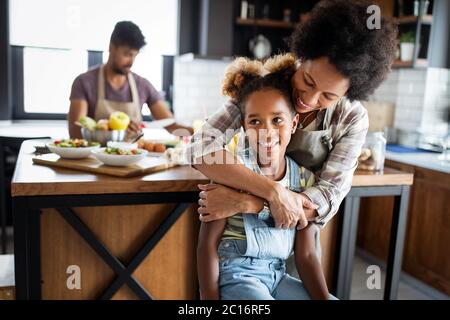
(84, 236)
(426, 256)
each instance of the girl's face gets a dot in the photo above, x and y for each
(269, 123)
(317, 84)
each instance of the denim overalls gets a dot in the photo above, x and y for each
(255, 269)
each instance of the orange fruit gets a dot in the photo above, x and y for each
(159, 147)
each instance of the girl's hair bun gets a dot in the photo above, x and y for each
(239, 73)
(284, 64)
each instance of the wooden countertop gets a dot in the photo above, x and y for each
(34, 180)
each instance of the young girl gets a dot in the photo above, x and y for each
(243, 257)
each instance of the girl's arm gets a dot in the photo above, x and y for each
(208, 259)
(308, 264)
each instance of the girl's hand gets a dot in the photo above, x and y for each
(219, 202)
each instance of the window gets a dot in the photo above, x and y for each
(46, 88)
(56, 36)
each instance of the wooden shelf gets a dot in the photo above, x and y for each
(402, 64)
(420, 63)
(265, 23)
(426, 19)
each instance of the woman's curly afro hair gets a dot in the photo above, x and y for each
(337, 29)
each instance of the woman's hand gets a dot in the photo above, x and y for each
(287, 208)
(219, 202)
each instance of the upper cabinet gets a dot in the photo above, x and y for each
(257, 28)
(253, 28)
(205, 28)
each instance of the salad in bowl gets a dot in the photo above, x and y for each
(119, 157)
(72, 148)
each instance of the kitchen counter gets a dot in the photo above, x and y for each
(126, 235)
(57, 129)
(427, 160)
(33, 180)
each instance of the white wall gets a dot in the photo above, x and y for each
(197, 88)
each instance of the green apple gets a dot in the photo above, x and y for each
(88, 123)
(119, 120)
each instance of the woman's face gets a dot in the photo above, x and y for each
(317, 84)
(269, 123)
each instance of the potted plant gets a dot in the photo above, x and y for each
(407, 40)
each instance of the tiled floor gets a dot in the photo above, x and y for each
(360, 291)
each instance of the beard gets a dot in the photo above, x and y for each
(121, 71)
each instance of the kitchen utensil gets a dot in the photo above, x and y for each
(260, 47)
(137, 137)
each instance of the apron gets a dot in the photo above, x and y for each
(310, 148)
(105, 107)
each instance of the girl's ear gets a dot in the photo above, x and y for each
(295, 122)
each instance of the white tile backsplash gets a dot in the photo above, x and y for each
(421, 98)
(197, 88)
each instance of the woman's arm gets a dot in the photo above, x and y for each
(208, 259)
(308, 264)
(219, 202)
(334, 179)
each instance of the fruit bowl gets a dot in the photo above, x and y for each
(103, 136)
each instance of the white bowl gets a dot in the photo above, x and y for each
(72, 153)
(118, 160)
(122, 145)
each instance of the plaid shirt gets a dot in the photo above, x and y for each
(348, 123)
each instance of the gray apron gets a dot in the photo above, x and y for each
(310, 148)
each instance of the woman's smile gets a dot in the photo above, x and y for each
(300, 106)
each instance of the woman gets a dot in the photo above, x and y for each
(341, 61)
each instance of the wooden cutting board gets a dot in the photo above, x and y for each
(90, 164)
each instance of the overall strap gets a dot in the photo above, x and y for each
(294, 175)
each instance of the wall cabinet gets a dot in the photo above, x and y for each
(224, 28)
